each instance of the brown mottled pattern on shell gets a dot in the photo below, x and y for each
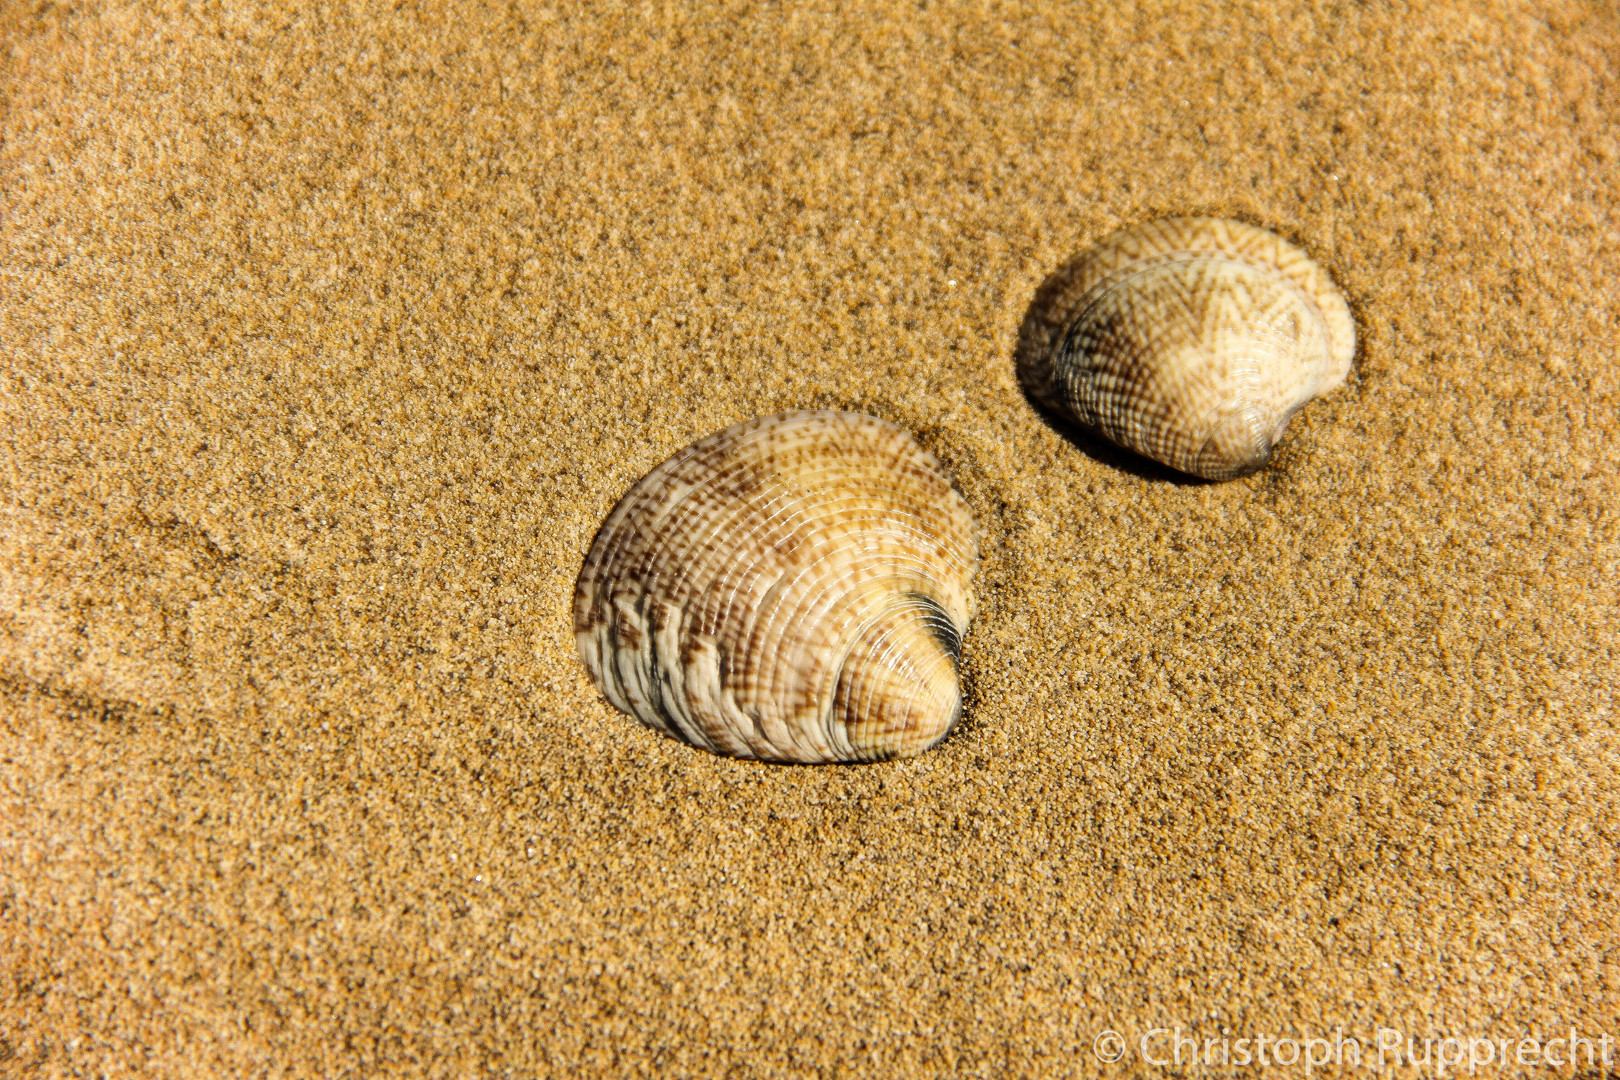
(793, 588)
(1191, 341)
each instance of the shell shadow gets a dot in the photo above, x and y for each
(1039, 335)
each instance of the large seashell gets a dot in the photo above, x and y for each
(794, 588)
(1192, 341)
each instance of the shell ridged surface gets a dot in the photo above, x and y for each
(794, 588)
(1192, 341)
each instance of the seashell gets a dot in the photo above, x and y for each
(794, 588)
(1192, 341)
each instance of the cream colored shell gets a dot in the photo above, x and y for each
(1192, 341)
(794, 588)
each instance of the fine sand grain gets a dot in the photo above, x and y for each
(332, 333)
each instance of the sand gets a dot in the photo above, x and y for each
(331, 335)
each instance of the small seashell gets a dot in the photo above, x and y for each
(1192, 341)
(794, 588)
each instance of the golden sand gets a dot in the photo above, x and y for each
(331, 334)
